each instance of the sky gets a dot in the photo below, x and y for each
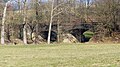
(15, 2)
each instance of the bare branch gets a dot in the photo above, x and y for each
(38, 3)
(58, 6)
(57, 13)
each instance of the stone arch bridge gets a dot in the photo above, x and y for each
(76, 30)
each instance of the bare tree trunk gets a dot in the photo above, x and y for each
(24, 34)
(24, 28)
(86, 10)
(3, 24)
(58, 28)
(50, 28)
(37, 32)
(8, 33)
(19, 6)
(50, 25)
(51, 18)
(58, 24)
(37, 24)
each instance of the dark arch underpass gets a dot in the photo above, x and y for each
(77, 31)
(44, 34)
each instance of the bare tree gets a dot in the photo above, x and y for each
(3, 25)
(53, 14)
(24, 22)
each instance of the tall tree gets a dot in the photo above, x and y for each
(52, 15)
(3, 25)
(25, 24)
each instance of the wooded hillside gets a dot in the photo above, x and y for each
(60, 21)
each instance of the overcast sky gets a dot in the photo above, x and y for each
(14, 3)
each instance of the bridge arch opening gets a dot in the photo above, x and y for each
(82, 35)
(44, 35)
(88, 35)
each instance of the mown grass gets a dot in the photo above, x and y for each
(60, 55)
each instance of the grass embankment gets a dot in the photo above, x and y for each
(60, 56)
(88, 35)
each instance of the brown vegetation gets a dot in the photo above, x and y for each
(48, 21)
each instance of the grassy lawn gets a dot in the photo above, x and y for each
(79, 55)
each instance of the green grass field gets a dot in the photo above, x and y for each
(72, 55)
